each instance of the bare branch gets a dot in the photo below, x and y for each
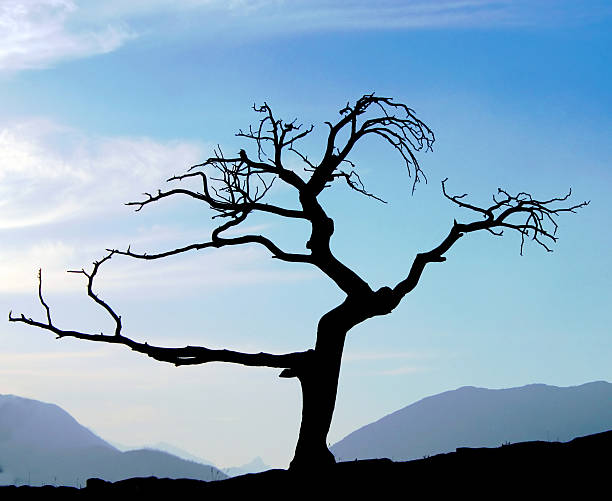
(40, 296)
(188, 355)
(90, 278)
(234, 187)
(218, 242)
(354, 182)
(535, 218)
(397, 124)
(279, 135)
(457, 200)
(236, 193)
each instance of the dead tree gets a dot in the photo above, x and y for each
(236, 187)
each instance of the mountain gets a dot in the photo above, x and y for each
(164, 447)
(178, 452)
(40, 443)
(34, 424)
(480, 417)
(255, 466)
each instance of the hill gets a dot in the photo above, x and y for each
(40, 443)
(257, 465)
(480, 417)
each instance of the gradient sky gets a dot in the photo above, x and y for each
(102, 101)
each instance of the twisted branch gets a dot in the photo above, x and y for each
(537, 213)
(535, 217)
(238, 187)
(188, 355)
(397, 124)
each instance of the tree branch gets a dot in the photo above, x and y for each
(240, 188)
(188, 355)
(218, 242)
(536, 217)
(237, 185)
(281, 135)
(397, 124)
(530, 217)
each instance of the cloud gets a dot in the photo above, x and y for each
(62, 197)
(50, 173)
(41, 33)
(266, 17)
(19, 267)
(226, 268)
(359, 357)
(401, 371)
(374, 359)
(417, 14)
(120, 276)
(390, 14)
(37, 34)
(29, 359)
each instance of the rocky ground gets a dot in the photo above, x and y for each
(581, 468)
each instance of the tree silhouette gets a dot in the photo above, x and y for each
(235, 187)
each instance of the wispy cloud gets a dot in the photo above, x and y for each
(402, 371)
(65, 193)
(39, 33)
(411, 362)
(231, 267)
(359, 357)
(50, 173)
(19, 359)
(414, 361)
(265, 17)
(390, 14)
(19, 266)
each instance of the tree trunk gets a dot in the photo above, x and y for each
(319, 381)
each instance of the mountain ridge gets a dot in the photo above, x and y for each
(42, 443)
(20, 416)
(481, 417)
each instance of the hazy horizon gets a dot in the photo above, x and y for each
(503, 410)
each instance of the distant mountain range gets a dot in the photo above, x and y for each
(255, 466)
(480, 417)
(164, 447)
(40, 443)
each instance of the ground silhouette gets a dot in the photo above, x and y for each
(235, 187)
(528, 469)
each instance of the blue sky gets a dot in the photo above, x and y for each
(102, 101)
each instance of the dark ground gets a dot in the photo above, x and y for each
(580, 469)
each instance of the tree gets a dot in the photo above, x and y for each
(236, 187)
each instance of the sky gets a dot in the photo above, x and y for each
(102, 101)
